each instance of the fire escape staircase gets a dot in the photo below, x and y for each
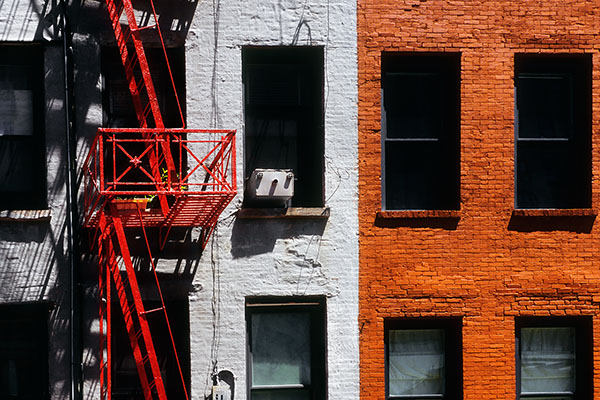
(143, 177)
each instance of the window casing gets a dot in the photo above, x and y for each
(420, 127)
(283, 106)
(286, 349)
(22, 153)
(423, 358)
(553, 131)
(554, 358)
(24, 351)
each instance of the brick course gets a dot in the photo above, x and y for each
(487, 266)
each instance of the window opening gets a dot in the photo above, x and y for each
(420, 122)
(284, 118)
(22, 153)
(126, 381)
(553, 358)
(553, 131)
(286, 350)
(423, 359)
(119, 111)
(24, 351)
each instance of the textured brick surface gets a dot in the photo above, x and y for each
(486, 266)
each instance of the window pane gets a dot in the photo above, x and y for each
(416, 362)
(547, 360)
(274, 85)
(551, 175)
(280, 349)
(118, 104)
(272, 143)
(420, 176)
(285, 394)
(16, 161)
(16, 112)
(121, 112)
(413, 105)
(545, 105)
(16, 100)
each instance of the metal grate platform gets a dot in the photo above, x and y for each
(122, 169)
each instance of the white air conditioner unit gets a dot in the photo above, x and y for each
(274, 186)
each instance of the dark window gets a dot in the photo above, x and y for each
(423, 358)
(24, 352)
(554, 358)
(126, 383)
(22, 155)
(284, 117)
(286, 349)
(553, 131)
(420, 122)
(119, 111)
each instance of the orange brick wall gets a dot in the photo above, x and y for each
(486, 266)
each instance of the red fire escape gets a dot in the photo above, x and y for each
(147, 177)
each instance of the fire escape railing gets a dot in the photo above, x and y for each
(119, 167)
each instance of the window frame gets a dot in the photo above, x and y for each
(446, 65)
(309, 61)
(316, 308)
(452, 327)
(583, 326)
(575, 179)
(30, 55)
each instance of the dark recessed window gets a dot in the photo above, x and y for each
(286, 349)
(24, 351)
(554, 358)
(283, 105)
(119, 111)
(423, 359)
(125, 379)
(553, 131)
(22, 153)
(420, 122)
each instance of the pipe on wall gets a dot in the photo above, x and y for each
(72, 214)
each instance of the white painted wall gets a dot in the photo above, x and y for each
(276, 257)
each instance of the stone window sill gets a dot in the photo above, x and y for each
(25, 215)
(565, 212)
(404, 214)
(290, 212)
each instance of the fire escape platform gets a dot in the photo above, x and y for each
(187, 210)
(125, 172)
